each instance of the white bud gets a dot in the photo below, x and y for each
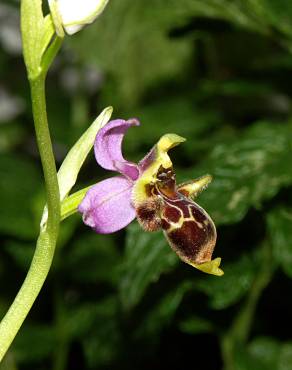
(73, 15)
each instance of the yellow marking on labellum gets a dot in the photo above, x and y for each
(182, 219)
(161, 158)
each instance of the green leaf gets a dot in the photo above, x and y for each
(275, 13)
(246, 171)
(70, 204)
(74, 160)
(232, 286)
(69, 170)
(31, 29)
(47, 33)
(147, 256)
(257, 15)
(240, 12)
(280, 231)
(37, 32)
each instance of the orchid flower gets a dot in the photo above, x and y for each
(148, 191)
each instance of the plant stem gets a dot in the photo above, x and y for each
(47, 239)
(46, 153)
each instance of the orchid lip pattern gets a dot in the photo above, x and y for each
(148, 191)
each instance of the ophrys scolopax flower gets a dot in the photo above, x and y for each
(148, 191)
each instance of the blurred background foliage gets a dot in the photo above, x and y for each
(219, 73)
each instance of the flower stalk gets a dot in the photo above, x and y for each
(47, 239)
(40, 46)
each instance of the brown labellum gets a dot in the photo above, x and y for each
(188, 228)
(193, 236)
(148, 214)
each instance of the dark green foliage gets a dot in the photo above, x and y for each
(232, 286)
(147, 256)
(265, 353)
(279, 221)
(218, 73)
(19, 183)
(248, 171)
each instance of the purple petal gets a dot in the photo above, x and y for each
(108, 148)
(107, 207)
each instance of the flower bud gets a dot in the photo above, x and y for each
(73, 15)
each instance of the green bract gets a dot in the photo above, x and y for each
(74, 160)
(37, 33)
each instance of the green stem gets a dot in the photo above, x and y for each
(46, 153)
(47, 239)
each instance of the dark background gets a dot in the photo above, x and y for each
(216, 72)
